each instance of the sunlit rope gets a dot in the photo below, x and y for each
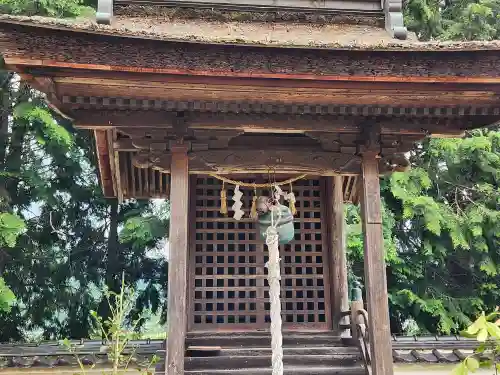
(255, 185)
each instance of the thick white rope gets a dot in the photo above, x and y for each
(274, 277)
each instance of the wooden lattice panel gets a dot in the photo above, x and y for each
(230, 288)
(142, 183)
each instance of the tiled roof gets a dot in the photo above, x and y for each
(429, 349)
(54, 354)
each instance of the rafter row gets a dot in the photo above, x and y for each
(87, 102)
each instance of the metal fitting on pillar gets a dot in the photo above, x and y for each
(357, 304)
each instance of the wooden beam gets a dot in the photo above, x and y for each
(112, 165)
(22, 62)
(338, 247)
(103, 161)
(89, 77)
(91, 119)
(375, 272)
(270, 123)
(117, 170)
(178, 261)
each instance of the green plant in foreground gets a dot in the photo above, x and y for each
(116, 335)
(11, 226)
(486, 330)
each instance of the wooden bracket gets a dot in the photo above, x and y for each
(370, 140)
(394, 22)
(104, 12)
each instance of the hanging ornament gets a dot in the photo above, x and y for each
(238, 212)
(253, 210)
(223, 200)
(277, 192)
(290, 197)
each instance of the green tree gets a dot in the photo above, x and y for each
(50, 8)
(69, 248)
(447, 231)
(453, 20)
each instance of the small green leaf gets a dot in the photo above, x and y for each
(486, 364)
(481, 348)
(460, 369)
(479, 324)
(493, 330)
(472, 364)
(482, 335)
(492, 316)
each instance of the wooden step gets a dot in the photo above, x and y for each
(337, 351)
(257, 339)
(264, 361)
(289, 370)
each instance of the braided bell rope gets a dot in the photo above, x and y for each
(274, 277)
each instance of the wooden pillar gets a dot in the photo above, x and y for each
(375, 273)
(178, 261)
(339, 259)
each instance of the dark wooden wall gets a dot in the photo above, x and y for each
(229, 289)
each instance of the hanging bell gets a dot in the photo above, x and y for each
(271, 212)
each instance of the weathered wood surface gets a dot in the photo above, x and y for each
(338, 249)
(375, 272)
(302, 92)
(304, 353)
(233, 161)
(101, 142)
(178, 262)
(149, 120)
(42, 47)
(266, 5)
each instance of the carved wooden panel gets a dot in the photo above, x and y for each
(229, 284)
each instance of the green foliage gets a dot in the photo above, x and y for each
(476, 21)
(447, 233)
(11, 226)
(141, 231)
(7, 298)
(117, 334)
(486, 330)
(455, 20)
(424, 18)
(69, 248)
(50, 8)
(48, 128)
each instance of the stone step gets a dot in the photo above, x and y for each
(289, 370)
(236, 362)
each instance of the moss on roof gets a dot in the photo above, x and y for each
(275, 34)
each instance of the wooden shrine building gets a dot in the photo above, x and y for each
(177, 91)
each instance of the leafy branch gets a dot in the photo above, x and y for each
(486, 330)
(116, 334)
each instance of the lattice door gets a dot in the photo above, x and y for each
(230, 288)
